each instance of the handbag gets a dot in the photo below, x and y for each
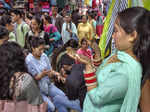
(22, 106)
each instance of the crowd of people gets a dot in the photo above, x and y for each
(55, 60)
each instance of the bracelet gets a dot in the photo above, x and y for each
(91, 84)
(89, 71)
(90, 79)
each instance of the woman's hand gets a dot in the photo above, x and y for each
(53, 73)
(61, 78)
(91, 87)
(73, 54)
(42, 74)
(45, 72)
(63, 72)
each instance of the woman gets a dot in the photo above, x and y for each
(84, 50)
(56, 58)
(145, 92)
(54, 35)
(39, 66)
(117, 87)
(28, 18)
(84, 29)
(68, 30)
(15, 82)
(7, 23)
(93, 55)
(37, 30)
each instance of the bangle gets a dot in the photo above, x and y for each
(89, 71)
(91, 84)
(90, 79)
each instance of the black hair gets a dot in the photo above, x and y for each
(48, 18)
(17, 12)
(29, 16)
(39, 22)
(6, 19)
(91, 14)
(66, 60)
(84, 16)
(71, 43)
(55, 6)
(138, 19)
(12, 60)
(3, 32)
(75, 11)
(36, 42)
(83, 40)
(70, 23)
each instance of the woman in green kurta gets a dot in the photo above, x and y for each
(119, 76)
(116, 86)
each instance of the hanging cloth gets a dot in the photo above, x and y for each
(146, 4)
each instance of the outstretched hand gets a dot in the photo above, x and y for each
(53, 73)
(61, 79)
(73, 54)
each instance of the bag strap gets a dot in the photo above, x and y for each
(22, 27)
(15, 31)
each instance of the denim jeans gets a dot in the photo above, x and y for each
(53, 91)
(51, 106)
(63, 103)
(60, 100)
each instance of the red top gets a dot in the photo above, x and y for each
(87, 53)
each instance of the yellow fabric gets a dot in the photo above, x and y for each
(84, 31)
(102, 43)
(86, 2)
(129, 3)
(146, 4)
